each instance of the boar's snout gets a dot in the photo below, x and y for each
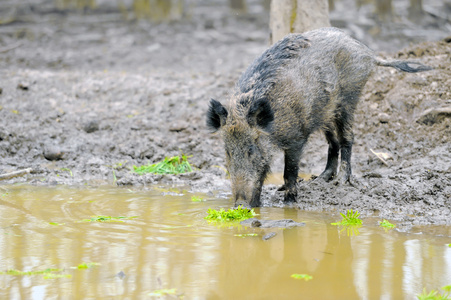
(248, 196)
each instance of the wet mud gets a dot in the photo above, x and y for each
(83, 98)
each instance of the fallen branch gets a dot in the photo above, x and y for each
(10, 47)
(434, 115)
(15, 174)
(382, 157)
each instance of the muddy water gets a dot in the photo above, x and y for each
(170, 246)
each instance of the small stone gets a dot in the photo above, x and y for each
(178, 126)
(121, 275)
(383, 118)
(268, 236)
(256, 223)
(91, 126)
(53, 153)
(23, 86)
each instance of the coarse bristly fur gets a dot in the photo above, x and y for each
(303, 83)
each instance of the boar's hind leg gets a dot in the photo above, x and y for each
(345, 139)
(332, 157)
(290, 174)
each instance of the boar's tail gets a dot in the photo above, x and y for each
(403, 65)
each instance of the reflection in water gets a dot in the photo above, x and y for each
(170, 245)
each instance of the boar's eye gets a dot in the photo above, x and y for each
(227, 153)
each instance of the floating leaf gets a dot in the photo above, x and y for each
(306, 277)
(22, 273)
(55, 276)
(387, 225)
(162, 292)
(246, 234)
(196, 199)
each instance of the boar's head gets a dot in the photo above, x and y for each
(246, 129)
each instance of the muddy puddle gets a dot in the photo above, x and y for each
(165, 243)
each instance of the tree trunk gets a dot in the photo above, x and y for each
(287, 16)
(384, 9)
(158, 10)
(415, 9)
(239, 5)
(331, 5)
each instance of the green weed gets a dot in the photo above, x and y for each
(434, 295)
(306, 277)
(230, 215)
(350, 222)
(170, 165)
(350, 219)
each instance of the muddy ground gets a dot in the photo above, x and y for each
(85, 96)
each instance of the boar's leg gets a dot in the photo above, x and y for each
(290, 174)
(332, 157)
(345, 139)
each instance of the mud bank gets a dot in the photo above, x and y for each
(84, 98)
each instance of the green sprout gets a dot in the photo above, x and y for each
(230, 215)
(435, 295)
(107, 219)
(350, 219)
(386, 225)
(306, 277)
(350, 222)
(170, 165)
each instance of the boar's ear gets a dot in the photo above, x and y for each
(216, 115)
(260, 114)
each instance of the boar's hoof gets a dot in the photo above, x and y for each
(282, 188)
(327, 175)
(343, 179)
(290, 197)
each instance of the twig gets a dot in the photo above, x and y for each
(11, 47)
(378, 155)
(15, 174)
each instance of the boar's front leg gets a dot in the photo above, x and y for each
(290, 174)
(332, 158)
